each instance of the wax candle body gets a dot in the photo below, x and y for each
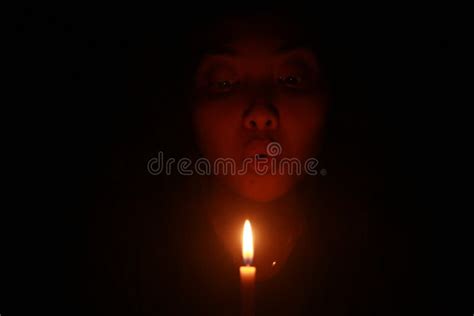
(247, 285)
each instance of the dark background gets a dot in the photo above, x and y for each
(103, 89)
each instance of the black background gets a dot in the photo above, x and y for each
(101, 91)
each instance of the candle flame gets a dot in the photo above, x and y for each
(247, 243)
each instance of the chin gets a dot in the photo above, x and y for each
(262, 188)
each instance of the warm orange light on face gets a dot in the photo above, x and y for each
(247, 243)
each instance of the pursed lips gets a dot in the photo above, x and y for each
(257, 147)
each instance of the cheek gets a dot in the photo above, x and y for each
(302, 119)
(215, 122)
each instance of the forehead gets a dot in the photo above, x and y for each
(259, 52)
(247, 46)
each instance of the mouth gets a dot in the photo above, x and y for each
(257, 148)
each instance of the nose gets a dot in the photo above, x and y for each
(261, 116)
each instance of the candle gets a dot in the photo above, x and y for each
(247, 272)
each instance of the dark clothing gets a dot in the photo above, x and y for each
(159, 256)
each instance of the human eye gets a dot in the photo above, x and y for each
(222, 85)
(296, 73)
(218, 78)
(291, 80)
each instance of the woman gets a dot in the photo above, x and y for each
(258, 85)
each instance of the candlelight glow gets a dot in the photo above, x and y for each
(247, 243)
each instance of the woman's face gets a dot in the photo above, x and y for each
(249, 92)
